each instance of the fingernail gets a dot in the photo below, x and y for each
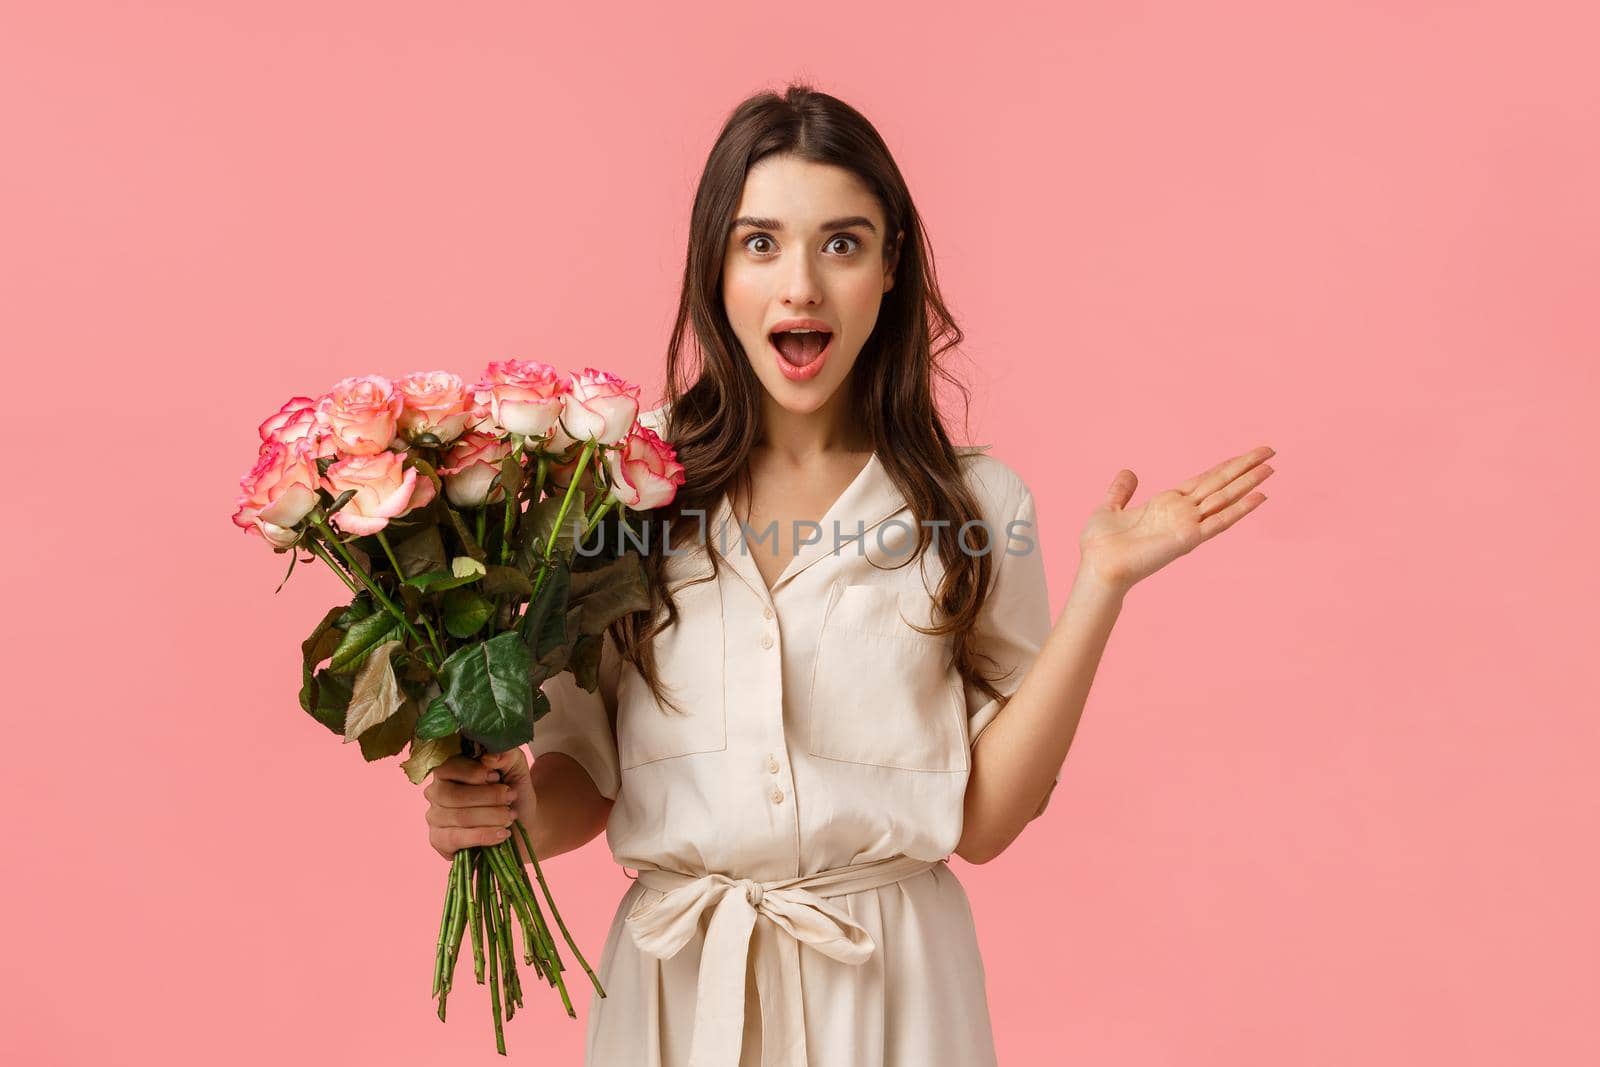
(502, 834)
(494, 776)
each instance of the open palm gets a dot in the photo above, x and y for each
(1125, 545)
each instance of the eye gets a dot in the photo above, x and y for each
(846, 237)
(756, 237)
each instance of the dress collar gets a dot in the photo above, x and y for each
(869, 499)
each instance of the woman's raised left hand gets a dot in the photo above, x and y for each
(1123, 545)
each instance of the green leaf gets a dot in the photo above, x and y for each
(390, 737)
(511, 476)
(375, 694)
(361, 639)
(540, 706)
(425, 470)
(608, 592)
(538, 523)
(293, 555)
(411, 600)
(438, 721)
(465, 612)
(585, 661)
(547, 615)
(438, 581)
(341, 501)
(506, 581)
(426, 755)
(333, 697)
(313, 650)
(486, 685)
(359, 608)
(423, 551)
(469, 543)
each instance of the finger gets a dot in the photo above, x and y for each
(468, 795)
(444, 818)
(502, 763)
(453, 839)
(1121, 489)
(1229, 515)
(462, 769)
(1234, 490)
(1208, 482)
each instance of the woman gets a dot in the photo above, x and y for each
(787, 749)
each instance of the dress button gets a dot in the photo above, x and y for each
(777, 796)
(772, 764)
(766, 613)
(766, 640)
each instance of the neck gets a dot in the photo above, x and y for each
(800, 435)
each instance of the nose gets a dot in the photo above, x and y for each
(800, 286)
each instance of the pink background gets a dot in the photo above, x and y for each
(1333, 799)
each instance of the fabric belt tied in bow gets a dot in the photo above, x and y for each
(795, 912)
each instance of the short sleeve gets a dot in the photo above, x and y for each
(1014, 620)
(581, 724)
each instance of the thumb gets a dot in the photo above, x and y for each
(1121, 489)
(504, 762)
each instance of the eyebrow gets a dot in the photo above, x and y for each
(832, 224)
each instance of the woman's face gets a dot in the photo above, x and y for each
(807, 249)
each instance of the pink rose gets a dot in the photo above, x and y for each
(600, 407)
(481, 419)
(645, 472)
(434, 402)
(385, 489)
(298, 420)
(273, 428)
(278, 492)
(473, 463)
(361, 414)
(523, 396)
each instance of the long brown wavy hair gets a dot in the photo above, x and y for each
(715, 396)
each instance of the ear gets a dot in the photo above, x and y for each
(893, 261)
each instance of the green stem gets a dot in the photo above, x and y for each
(555, 528)
(476, 922)
(372, 587)
(539, 477)
(606, 504)
(492, 941)
(444, 928)
(508, 958)
(533, 946)
(322, 554)
(566, 501)
(547, 944)
(458, 918)
(447, 954)
(539, 873)
(433, 638)
(510, 502)
(399, 573)
(400, 576)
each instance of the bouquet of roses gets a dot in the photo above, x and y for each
(455, 516)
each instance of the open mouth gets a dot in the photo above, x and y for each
(800, 348)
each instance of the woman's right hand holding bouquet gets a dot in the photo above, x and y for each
(474, 802)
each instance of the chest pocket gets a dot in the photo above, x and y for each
(689, 662)
(883, 694)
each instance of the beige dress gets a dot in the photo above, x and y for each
(792, 904)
